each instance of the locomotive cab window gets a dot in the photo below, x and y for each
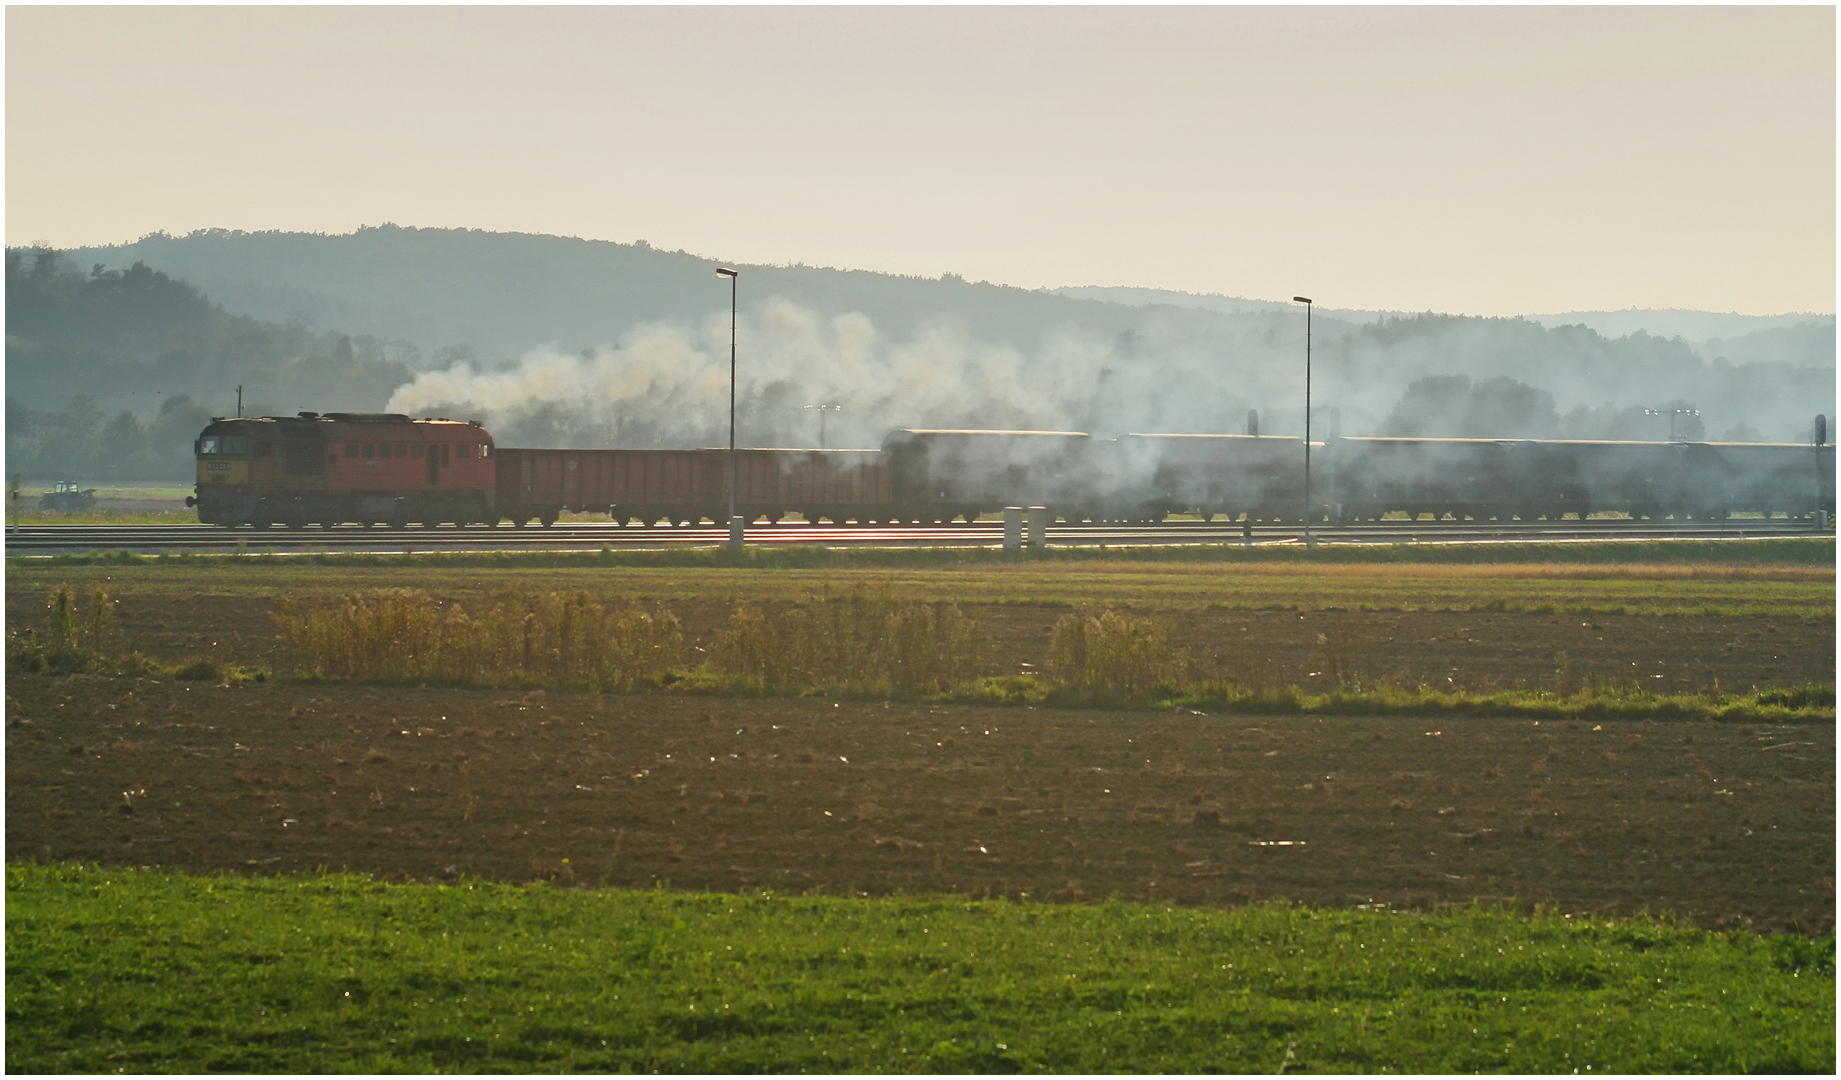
(208, 444)
(485, 449)
(235, 444)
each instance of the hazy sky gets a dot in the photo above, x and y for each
(1479, 160)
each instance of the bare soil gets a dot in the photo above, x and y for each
(1725, 825)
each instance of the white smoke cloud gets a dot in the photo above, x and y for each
(668, 385)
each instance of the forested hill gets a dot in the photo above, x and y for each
(110, 374)
(459, 292)
(562, 341)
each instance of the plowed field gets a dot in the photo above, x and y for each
(1726, 825)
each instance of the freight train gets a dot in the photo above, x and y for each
(371, 468)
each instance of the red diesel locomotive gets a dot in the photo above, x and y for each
(344, 467)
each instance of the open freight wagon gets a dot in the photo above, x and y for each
(683, 487)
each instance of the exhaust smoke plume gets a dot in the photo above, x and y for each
(666, 384)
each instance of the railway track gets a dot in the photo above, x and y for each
(201, 539)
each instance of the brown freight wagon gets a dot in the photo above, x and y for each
(644, 485)
(819, 485)
(686, 486)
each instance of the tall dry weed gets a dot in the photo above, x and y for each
(401, 635)
(1113, 652)
(862, 641)
(1340, 656)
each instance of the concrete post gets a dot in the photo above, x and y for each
(1038, 528)
(1013, 528)
(735, 533)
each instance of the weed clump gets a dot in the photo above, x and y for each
(1799, 697)
(1112, 653)
(73, 641)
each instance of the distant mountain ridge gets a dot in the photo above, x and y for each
(499, 294)
(1691, 326)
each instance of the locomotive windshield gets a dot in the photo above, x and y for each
(223, 444)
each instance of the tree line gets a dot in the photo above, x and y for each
(111, 373)
(1455, 407)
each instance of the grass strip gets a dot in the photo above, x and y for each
(1799, 551)
(150, 971)
(174, 516)
(1813, 704)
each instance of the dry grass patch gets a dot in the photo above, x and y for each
(405, 635)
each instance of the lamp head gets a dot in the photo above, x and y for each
(724, 271)
(1301, 299)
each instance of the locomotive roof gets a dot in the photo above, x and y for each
(791, 449)
(342, 418)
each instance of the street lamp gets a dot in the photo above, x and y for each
(822, 410)
(1306, 301)
(1672, 415)
(735, 533)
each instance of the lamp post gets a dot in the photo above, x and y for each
(1306, 301)
(822, 410)
(735, 534)
(1673, 415)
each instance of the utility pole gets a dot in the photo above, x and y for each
(735, 527)
(1309, 541)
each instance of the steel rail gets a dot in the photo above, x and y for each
(153, 539)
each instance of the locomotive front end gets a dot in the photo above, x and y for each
(223, 493)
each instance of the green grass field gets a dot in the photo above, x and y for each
(146, 971)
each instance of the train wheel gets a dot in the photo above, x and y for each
(549, 520)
